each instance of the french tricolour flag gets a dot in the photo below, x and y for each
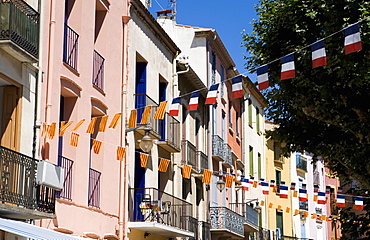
(265, 188)
(352, 39)
(245, 186)
(359, 203)
(321, 198)
(341, 200)
(283, 191)
(237, 87)
(212, 94)
(302, 195)
(193, 104)
(318, 54)
(263, 77)
(287, 67)
(174, 109)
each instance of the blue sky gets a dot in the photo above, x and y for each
(229, 18)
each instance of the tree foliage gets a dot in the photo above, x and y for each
(325, 110)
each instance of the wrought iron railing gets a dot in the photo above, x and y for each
(67, 165)
(262, 234)
(218, 147)
(70, 49)
(141, 101)
(250, 215)
(98, 71)
(152, 205)
(19, 23)
(224, 218)
(301, 162)
(169, 129)
(228, 155)
(18, 183)
(189, 155)
(202, 160)
(94, 188)
(192, 225)
(205, 228)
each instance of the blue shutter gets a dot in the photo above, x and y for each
(140, 90)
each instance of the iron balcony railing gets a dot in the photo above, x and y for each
(152, 205)
(169, 129)
(250, 215)
(67, 165)
(18, 183)
(205, 232)
(218, 147)
(189, 154)
(225, 218)
(70, 49)
(94, 188)
(202, 161)
(228, 155)
(19, 23)
(301, 162)
(141, 101)
(192, 225)
(98, 71)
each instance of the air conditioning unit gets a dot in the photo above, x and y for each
(50, 175)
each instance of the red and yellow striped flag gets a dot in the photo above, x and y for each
(64, 127)
(97, 146)
(314, 216)
(255, 183)
(52, 130)
(262, 203)
(296, 212)
(229, 180)
(115, 119)
(120, 153)
(163, 165)
(78, 125)
(44, 129)
(103, 124)
(143, 159)
(145, 115)
(315, 198)
(161, 110)
(73, 140)
(305, 214)
(279, 208)
(270, 205)
(287, 210)
(323, 217)
(133, 119)
(295, 194)
(274, 189)
(91, 127)
(186, 171)
(207, 174)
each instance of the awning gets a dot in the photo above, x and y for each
(32, 231)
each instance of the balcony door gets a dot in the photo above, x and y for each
(140, 90)
(10, 118)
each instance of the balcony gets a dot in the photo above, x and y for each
(189, 154)
(20, 197)
(169, 130)
(218, 151)
(160, 213)
(141, 101)
(67, 165)
(98, 71)
(70, 48)
(301, 163)
(228, 157)
(19, 30)
(226, 223)
(205, 230)
(250, 216)
(262, 234)
(202, 161)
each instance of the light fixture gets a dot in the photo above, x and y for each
(258, 208)
(146, 143)
(220, 184)
(147, 234)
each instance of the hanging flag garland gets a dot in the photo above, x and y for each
(262, 77)
(287, 67)
(318, 54)
(352, 39)
(212, 94)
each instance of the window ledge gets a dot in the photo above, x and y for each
(74, 71)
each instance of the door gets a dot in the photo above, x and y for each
(10, 118)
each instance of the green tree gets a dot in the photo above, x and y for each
(325, 110)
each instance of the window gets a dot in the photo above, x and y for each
(213, 67)
(98, 71)
(250, 112)
(230, 116)
(258, 120)
(223, 125)
(94, 188)
(279, 222)
(277, 151)
(259, 165)
(278, 179)
(70, 47)
(222, 74)
(251, 170)
(214, 119)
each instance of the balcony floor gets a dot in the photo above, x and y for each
(14, 212)
(160, 229)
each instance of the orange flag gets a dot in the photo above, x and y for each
(73, 140)
(145, 115)
(229, 180)
(295, 194)
(255, 184)
(270, 205)
(207, 174)
(143, 159)
(279, 208)
(287, 210)
(114, 122)
(133, 119)
(91, 127)
(163, 165)
(78, 125)
(120, 153)
(44, 129)
(262, 203)
(296, 212)
(103, 124)
(97, 146)
(314, 215)
(323, 217)
(274, 189)
(186, 171)
(159, 114)
(52, 130)
(64, 127)
(315, 198)
(305, 214)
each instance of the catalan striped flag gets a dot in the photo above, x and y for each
(305, 214)
(114, 121)
(186, 171)
(161, 110)
(262, 203)
(207, 174)
(143, 159)
(296, 212)
(145, 115)
(44, 130)
(121, 151)
(103, 124)
(133, 118)
(359, 203)
(78, 125)
(295, 193)
(163, 165)
(52, 130)
(229, 180)
(314, 216)
(271, 205)
(97, 146)
(279, 208)
(287, 210)
(64, 128)
(73, 140)
(352, 39)
(91, 127)
(323, 217)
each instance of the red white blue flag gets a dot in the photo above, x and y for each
(283, 191)
(302, 195)
(265, 188)
(359, 203)
(321, 198)
(263, 77)
(237, 87)
(287, 67)
(174, 109)
(341, 200)
(318, 54)
(193, 104)
(245, 186)
(352, 39)
(212, 94)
